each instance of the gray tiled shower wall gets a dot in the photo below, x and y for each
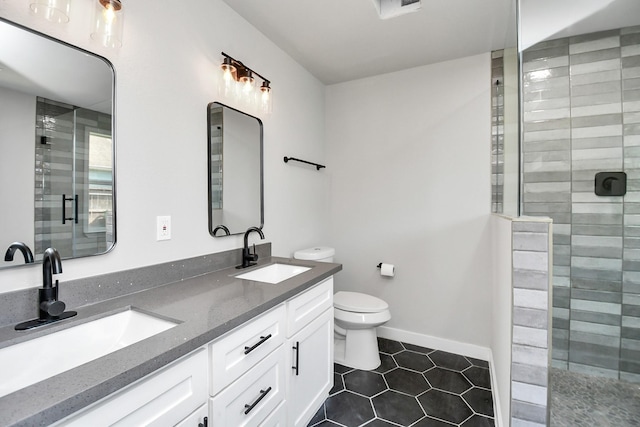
(582, 116)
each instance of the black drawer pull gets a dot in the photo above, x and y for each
(248, 350)
(263, 393)
(297, 349)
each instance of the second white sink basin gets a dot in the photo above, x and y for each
(274, 273)
(32, 361)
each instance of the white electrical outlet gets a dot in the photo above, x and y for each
(163, 227)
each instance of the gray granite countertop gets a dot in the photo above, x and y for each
(207, 306)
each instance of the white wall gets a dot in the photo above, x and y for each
(164, 81)
(409, 159)
(17, 139)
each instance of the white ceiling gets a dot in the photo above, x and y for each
(342, 40)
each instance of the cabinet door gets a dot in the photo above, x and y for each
(301, 310)
(310, 375)
(278, 418)
(197, 417)
(159, 399)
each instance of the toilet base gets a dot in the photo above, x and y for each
(358, 349)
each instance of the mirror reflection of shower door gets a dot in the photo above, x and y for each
(54, 176)
(74, 180)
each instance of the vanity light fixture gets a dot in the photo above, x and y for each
(238, 82)
(56, 11)
(108, 23)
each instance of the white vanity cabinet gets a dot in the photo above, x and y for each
(248, 371)
(310, 350)
(163, 398)
(275, 370)
(288, 371)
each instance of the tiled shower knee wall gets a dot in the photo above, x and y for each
(582, 116)
(531, 341)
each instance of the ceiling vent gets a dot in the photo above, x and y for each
(392, 8)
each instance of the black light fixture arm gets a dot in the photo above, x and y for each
(239, 64)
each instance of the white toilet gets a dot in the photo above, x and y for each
(356, 317)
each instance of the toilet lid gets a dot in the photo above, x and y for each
(357, 302)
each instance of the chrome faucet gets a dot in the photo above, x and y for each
(50, 309)
(26, 252)
(248, 258)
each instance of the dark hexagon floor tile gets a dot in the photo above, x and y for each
(449, 360)
(367, 383)
(389, 346)
(379, 423)
(319, 416)
(386, 364)
(478, 376)
(478, 362)
(338, 385)
(326, 423)
(397, 408)
(480, 400)
(415, 361)
(349, 409)
(417, 348)
(478, 421)
(341, 369)
(446, 380)
(406, 381)
(432, 422)
(445, 406)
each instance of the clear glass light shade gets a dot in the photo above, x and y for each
(266, 99)
(108, 23)
(52, 10)
(228, 86)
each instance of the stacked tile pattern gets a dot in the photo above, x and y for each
(531, 322)
(61, 167)
(414, 386)
(497, 131)
(582, 116)
(215, 153)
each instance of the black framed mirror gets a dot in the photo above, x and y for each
(235, 157)
(57, 167)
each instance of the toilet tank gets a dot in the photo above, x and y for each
(317, 253)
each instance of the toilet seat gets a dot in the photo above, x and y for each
(358, 303)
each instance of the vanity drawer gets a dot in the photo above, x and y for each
(278, 418)
(235, 353)
(160, 399)
(309, 305)
(255, 395)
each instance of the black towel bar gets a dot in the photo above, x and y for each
(318, 167)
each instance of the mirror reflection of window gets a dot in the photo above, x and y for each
(100, 181)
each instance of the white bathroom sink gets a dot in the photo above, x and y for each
(31, 361)
(274, 273)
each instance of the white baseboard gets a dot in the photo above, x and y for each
(471, 350)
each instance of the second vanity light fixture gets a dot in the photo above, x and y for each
(238, 82)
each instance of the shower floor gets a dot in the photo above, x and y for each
(583, 400)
